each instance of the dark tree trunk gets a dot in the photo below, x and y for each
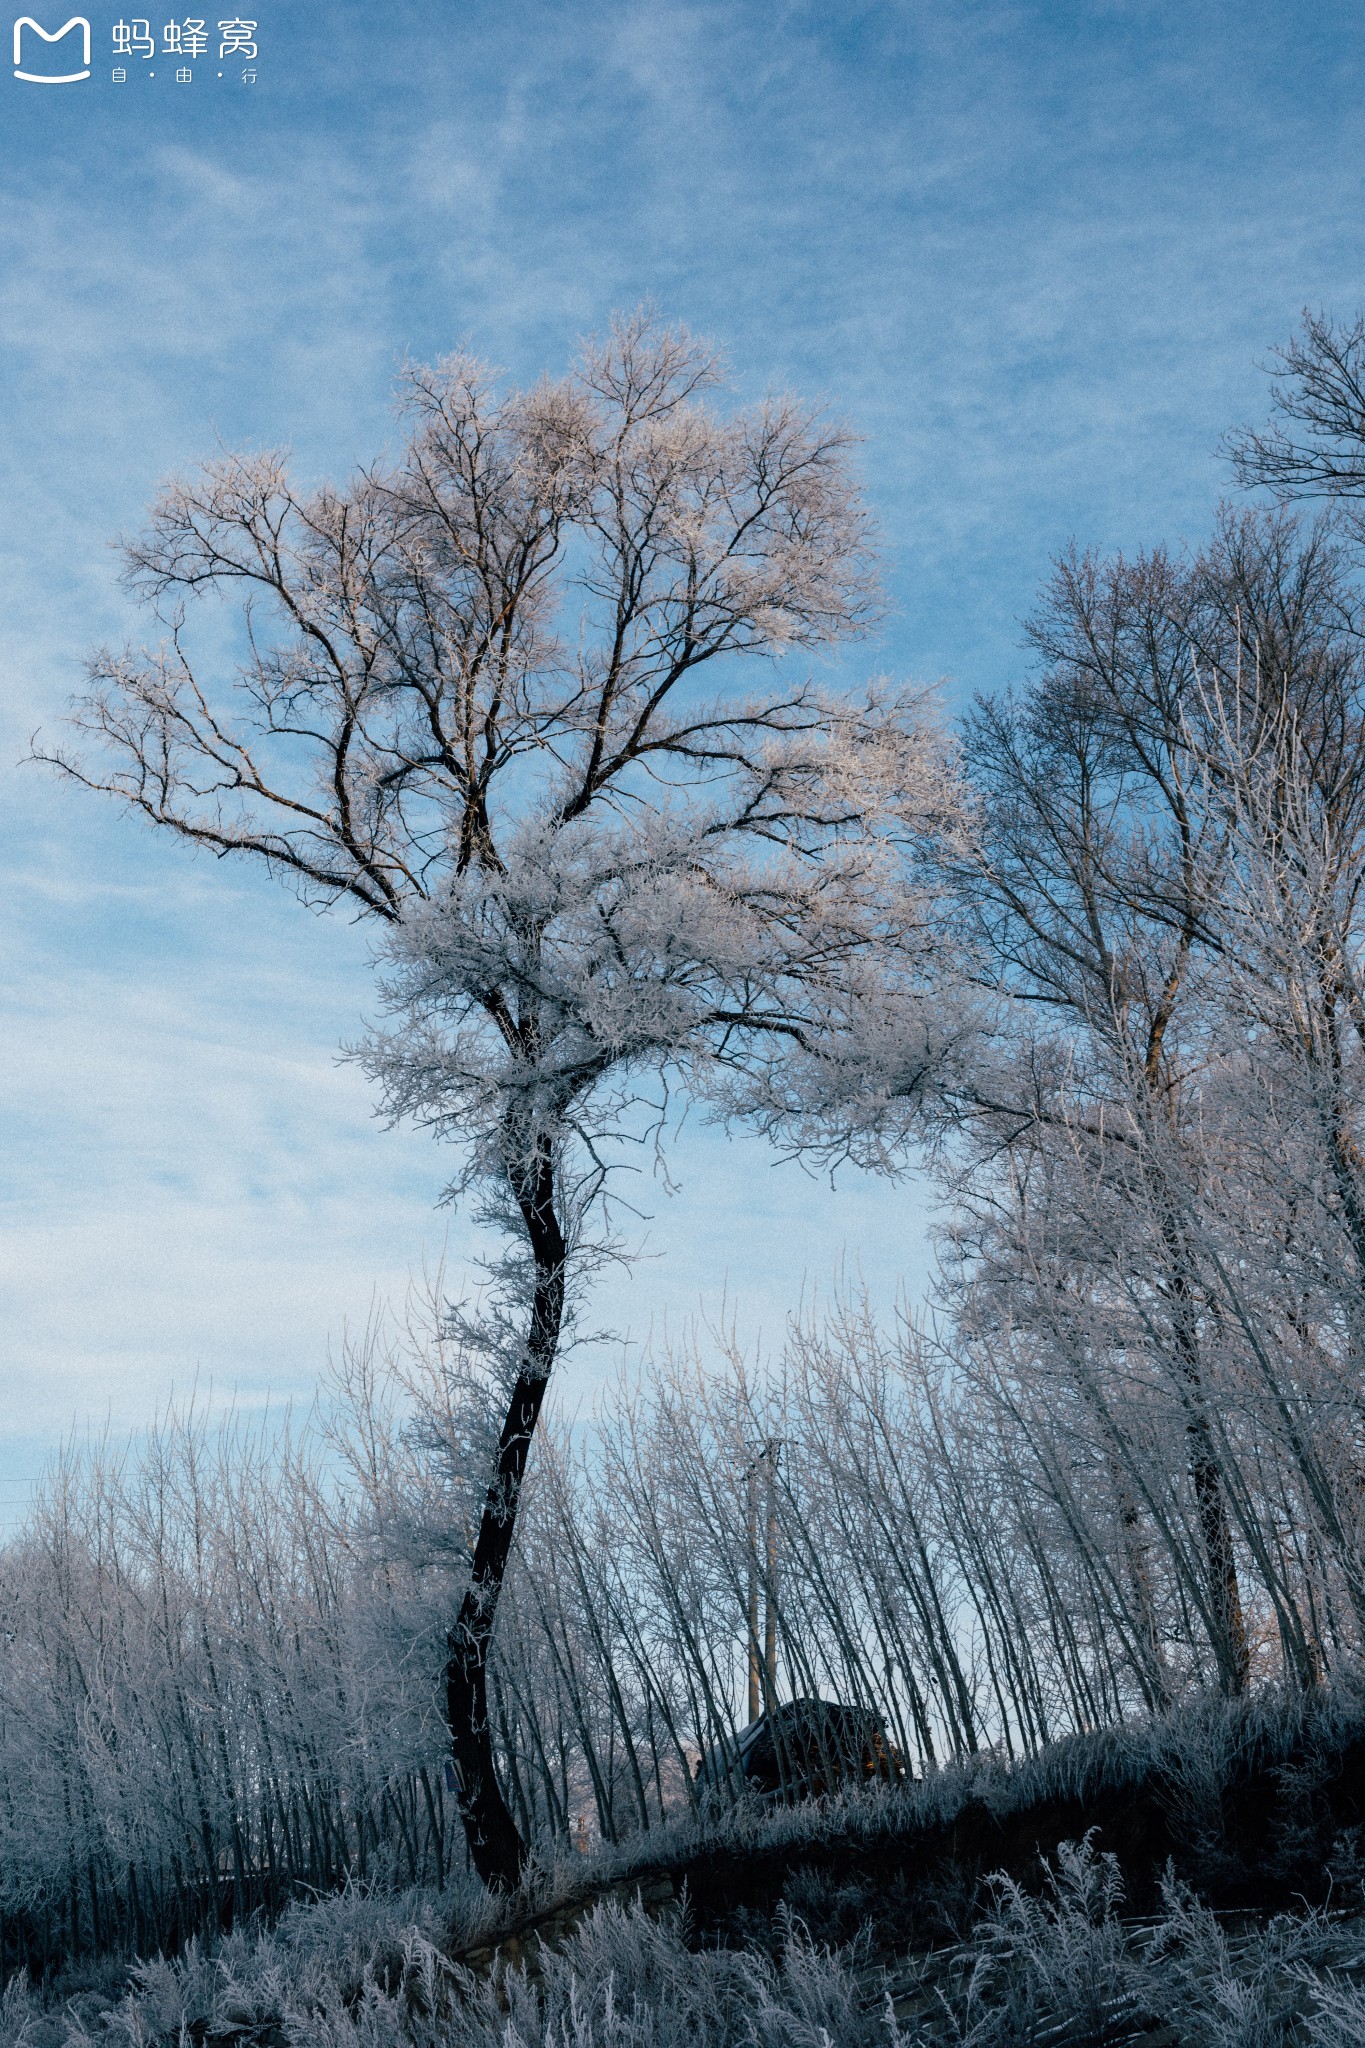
(495, 1845)
(1227, 1620)
(1230, 1647)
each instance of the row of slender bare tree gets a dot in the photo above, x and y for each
(1097, 957)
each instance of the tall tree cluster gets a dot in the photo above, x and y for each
(1164, 1280)
(1097, 957)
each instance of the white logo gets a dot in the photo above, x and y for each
(51, 77)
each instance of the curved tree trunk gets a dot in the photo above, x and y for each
(495, 1845)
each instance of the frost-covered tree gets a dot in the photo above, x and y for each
(1163, 1165)
(1092, 882)
(492, 695)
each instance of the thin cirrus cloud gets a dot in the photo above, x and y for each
(1032, 253)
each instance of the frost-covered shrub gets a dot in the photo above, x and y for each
(1229, 1990)
(1061, 1969)
(622, 1981)
(358, 1980)
(1066, 1969)
(1338, 2017)
(1059, 1966)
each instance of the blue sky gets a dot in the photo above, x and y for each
(1033, 252)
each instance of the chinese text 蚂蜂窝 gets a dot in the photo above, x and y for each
(188, 38)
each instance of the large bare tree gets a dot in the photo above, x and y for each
(472, 703)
